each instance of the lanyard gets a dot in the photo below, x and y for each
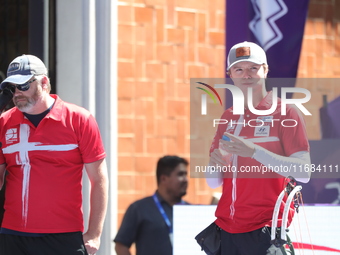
(161, 210)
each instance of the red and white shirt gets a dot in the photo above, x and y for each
(45, 167)
(248, 199)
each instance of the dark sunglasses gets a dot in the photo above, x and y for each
(23, 87)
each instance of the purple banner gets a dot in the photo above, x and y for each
(276, 25)
(329, 119)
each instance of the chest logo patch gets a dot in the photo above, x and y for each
(262, 131)
(11, 135)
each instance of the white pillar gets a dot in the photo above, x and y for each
(106, 104)
(87, 76)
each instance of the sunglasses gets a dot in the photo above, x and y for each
(23, 87)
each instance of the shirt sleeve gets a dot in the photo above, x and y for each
(294, 138)
(90, 141)
(128, 229)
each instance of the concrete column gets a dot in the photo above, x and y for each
(87, 76)
(106, 105)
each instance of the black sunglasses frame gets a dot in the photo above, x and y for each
(23, 87)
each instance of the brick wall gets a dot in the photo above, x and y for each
(163, 43)
(320, 55)
(320, 58)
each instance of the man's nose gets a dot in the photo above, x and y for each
(16, 90)
(185, 178)
(246, 74)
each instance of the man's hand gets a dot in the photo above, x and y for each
(216, 158)
(238, 146)
(91, 244)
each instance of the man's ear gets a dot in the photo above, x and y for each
(163, 178)
(266, 69)
(44, 81)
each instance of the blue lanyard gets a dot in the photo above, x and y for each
(161, 210)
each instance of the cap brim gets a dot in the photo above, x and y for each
(246, 60)
(17, 79)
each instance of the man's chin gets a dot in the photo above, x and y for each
(24, 108)
(182, 194)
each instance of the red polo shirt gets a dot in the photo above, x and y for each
(248, 199)
(45, 167)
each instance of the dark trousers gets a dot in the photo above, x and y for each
(256, 242)
(51, 244)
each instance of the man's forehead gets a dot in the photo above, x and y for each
(180, 168)
(244, 64)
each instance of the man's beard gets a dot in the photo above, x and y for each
(178, 194)
(26, 106)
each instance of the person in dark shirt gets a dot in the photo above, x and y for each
(148, 222)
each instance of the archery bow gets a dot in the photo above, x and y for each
(280, 238)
